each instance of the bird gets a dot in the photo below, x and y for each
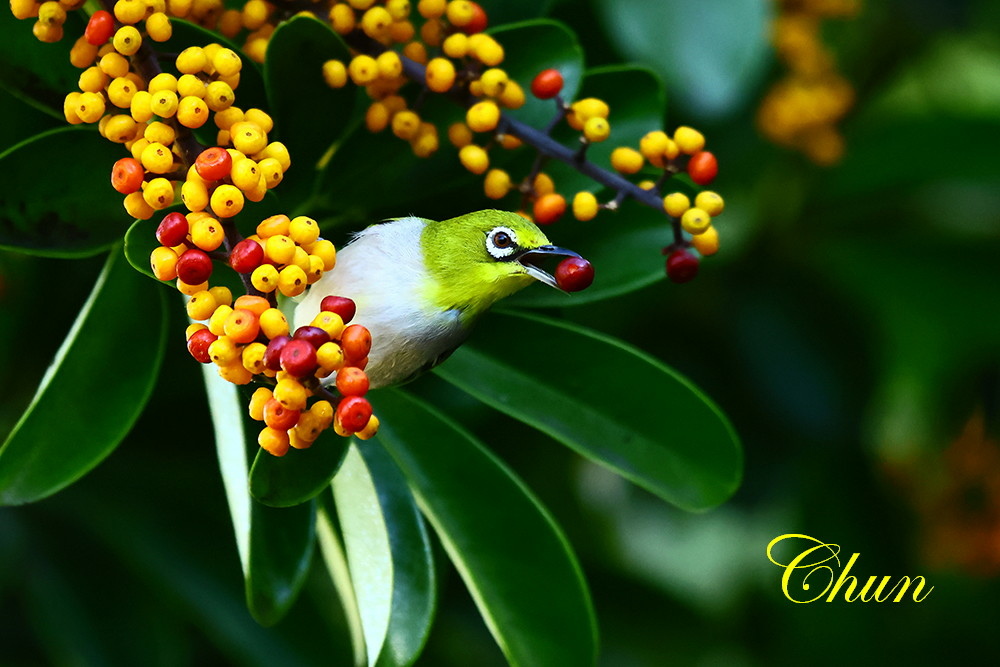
(420, 285)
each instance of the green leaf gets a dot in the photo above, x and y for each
(506, 11)
(58, 200)
(389, 555)
(308, 115)
(630, 412)
(532, 46)
(513, 557)
(299, 475)
(335, 561)
(39, 74)
(712, 53)
(140, 241)
(281, 544)
(96, 388)
(21, 120)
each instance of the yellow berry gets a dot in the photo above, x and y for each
(164, 103)
(695, 221)
(114, 65)
(497, 184)
(585, 206)
(191, 60)
(159, 193)
(326, 251)
(194, 194)
(83, 53)
(120, 128)
(159, 133)
(278, 151)
(136, 206)
(280, 249)
(363, 69)
(330, 356)
(543, 185)
(406, 124)
(459, 12)
(676, 203)
(258, 400)
(689, 140)
(260, 119)
(272, 321)
(459, 135)
(416, 51)
(192, 112)
(483, 116)
(375, 22)
(92, 80)
(512, 96)
(389, 65)
(474, 158)
(292, 280)
(158, 27)
(226, 62)
(157, 158)
(596, 129)
(456, 45)
(248, 138)
(291, 394)
(369, 430)
(485, 49)
(217, 323)
(342, 18)
(245, 174)
(653, 146)
(440, 75)
(219, 96)
(264, 278)
(226, 201)
(273, 441)
(141, 106)
(222, 295)
(432, 9)
(271, 172)
(626, 160)
(706, 243)
(201, 305)
(127, 40)
(710, 202)
(303, 230)
(129, 11)
(207, 234)
(163, 261)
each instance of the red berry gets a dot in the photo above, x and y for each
(353, 413)
(198, 345)
(357, 342)
(312, 335)
(341, 305)
(479, 21)
(127, 175)
(246, 256)
(682, 266)
(352, 381)
(298, 358)
(173, 230)
(703, 167)
(279, 417)
(549, 208)
(547, 84)
(214, 164)
(272, 355)
(100, 27)
(194, 267)
(574, 274)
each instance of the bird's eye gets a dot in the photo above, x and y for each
(501, 242)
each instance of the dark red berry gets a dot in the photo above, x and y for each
(198, 345)
(194, 267)
(246, 256)
(341, 305)
(214, 163)
(99, 28)
(312, 335)
(682, 266)
(574, 274)
(298, 358)
(547, 84)
(173, 230)
(353, 413)
(703, 167)
(272, 355)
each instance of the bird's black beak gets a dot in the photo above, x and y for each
(532, 258)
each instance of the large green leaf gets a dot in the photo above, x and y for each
(299, 475)
(389, 555)
(712, 52)
(629, 412)
(506, 11)
(58, 200)
(308, 115)
(281, 545)
(513, 557)
(21, 119)
(94, 390)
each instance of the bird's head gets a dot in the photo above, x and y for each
(479, 258)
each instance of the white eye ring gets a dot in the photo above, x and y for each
(501, 242)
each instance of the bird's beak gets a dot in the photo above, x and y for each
(532, 258)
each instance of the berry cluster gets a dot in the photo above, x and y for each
(450, 55)
(801, 110)
(152, 112)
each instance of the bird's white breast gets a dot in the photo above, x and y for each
(384, 272)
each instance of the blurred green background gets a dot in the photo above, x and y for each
(848, 327)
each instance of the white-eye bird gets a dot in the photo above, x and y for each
(420, 285)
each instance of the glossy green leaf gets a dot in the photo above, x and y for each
(630, 412)
(513, 557)
(712, 53)
(335, 561)
(281, 545)
(21, 120)
(140, 241)
(299, 475)
(94, 390)
(308, 115)
(389, 555)
(57, 206)
(39, 74)
(506, 11)
(532, 46)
